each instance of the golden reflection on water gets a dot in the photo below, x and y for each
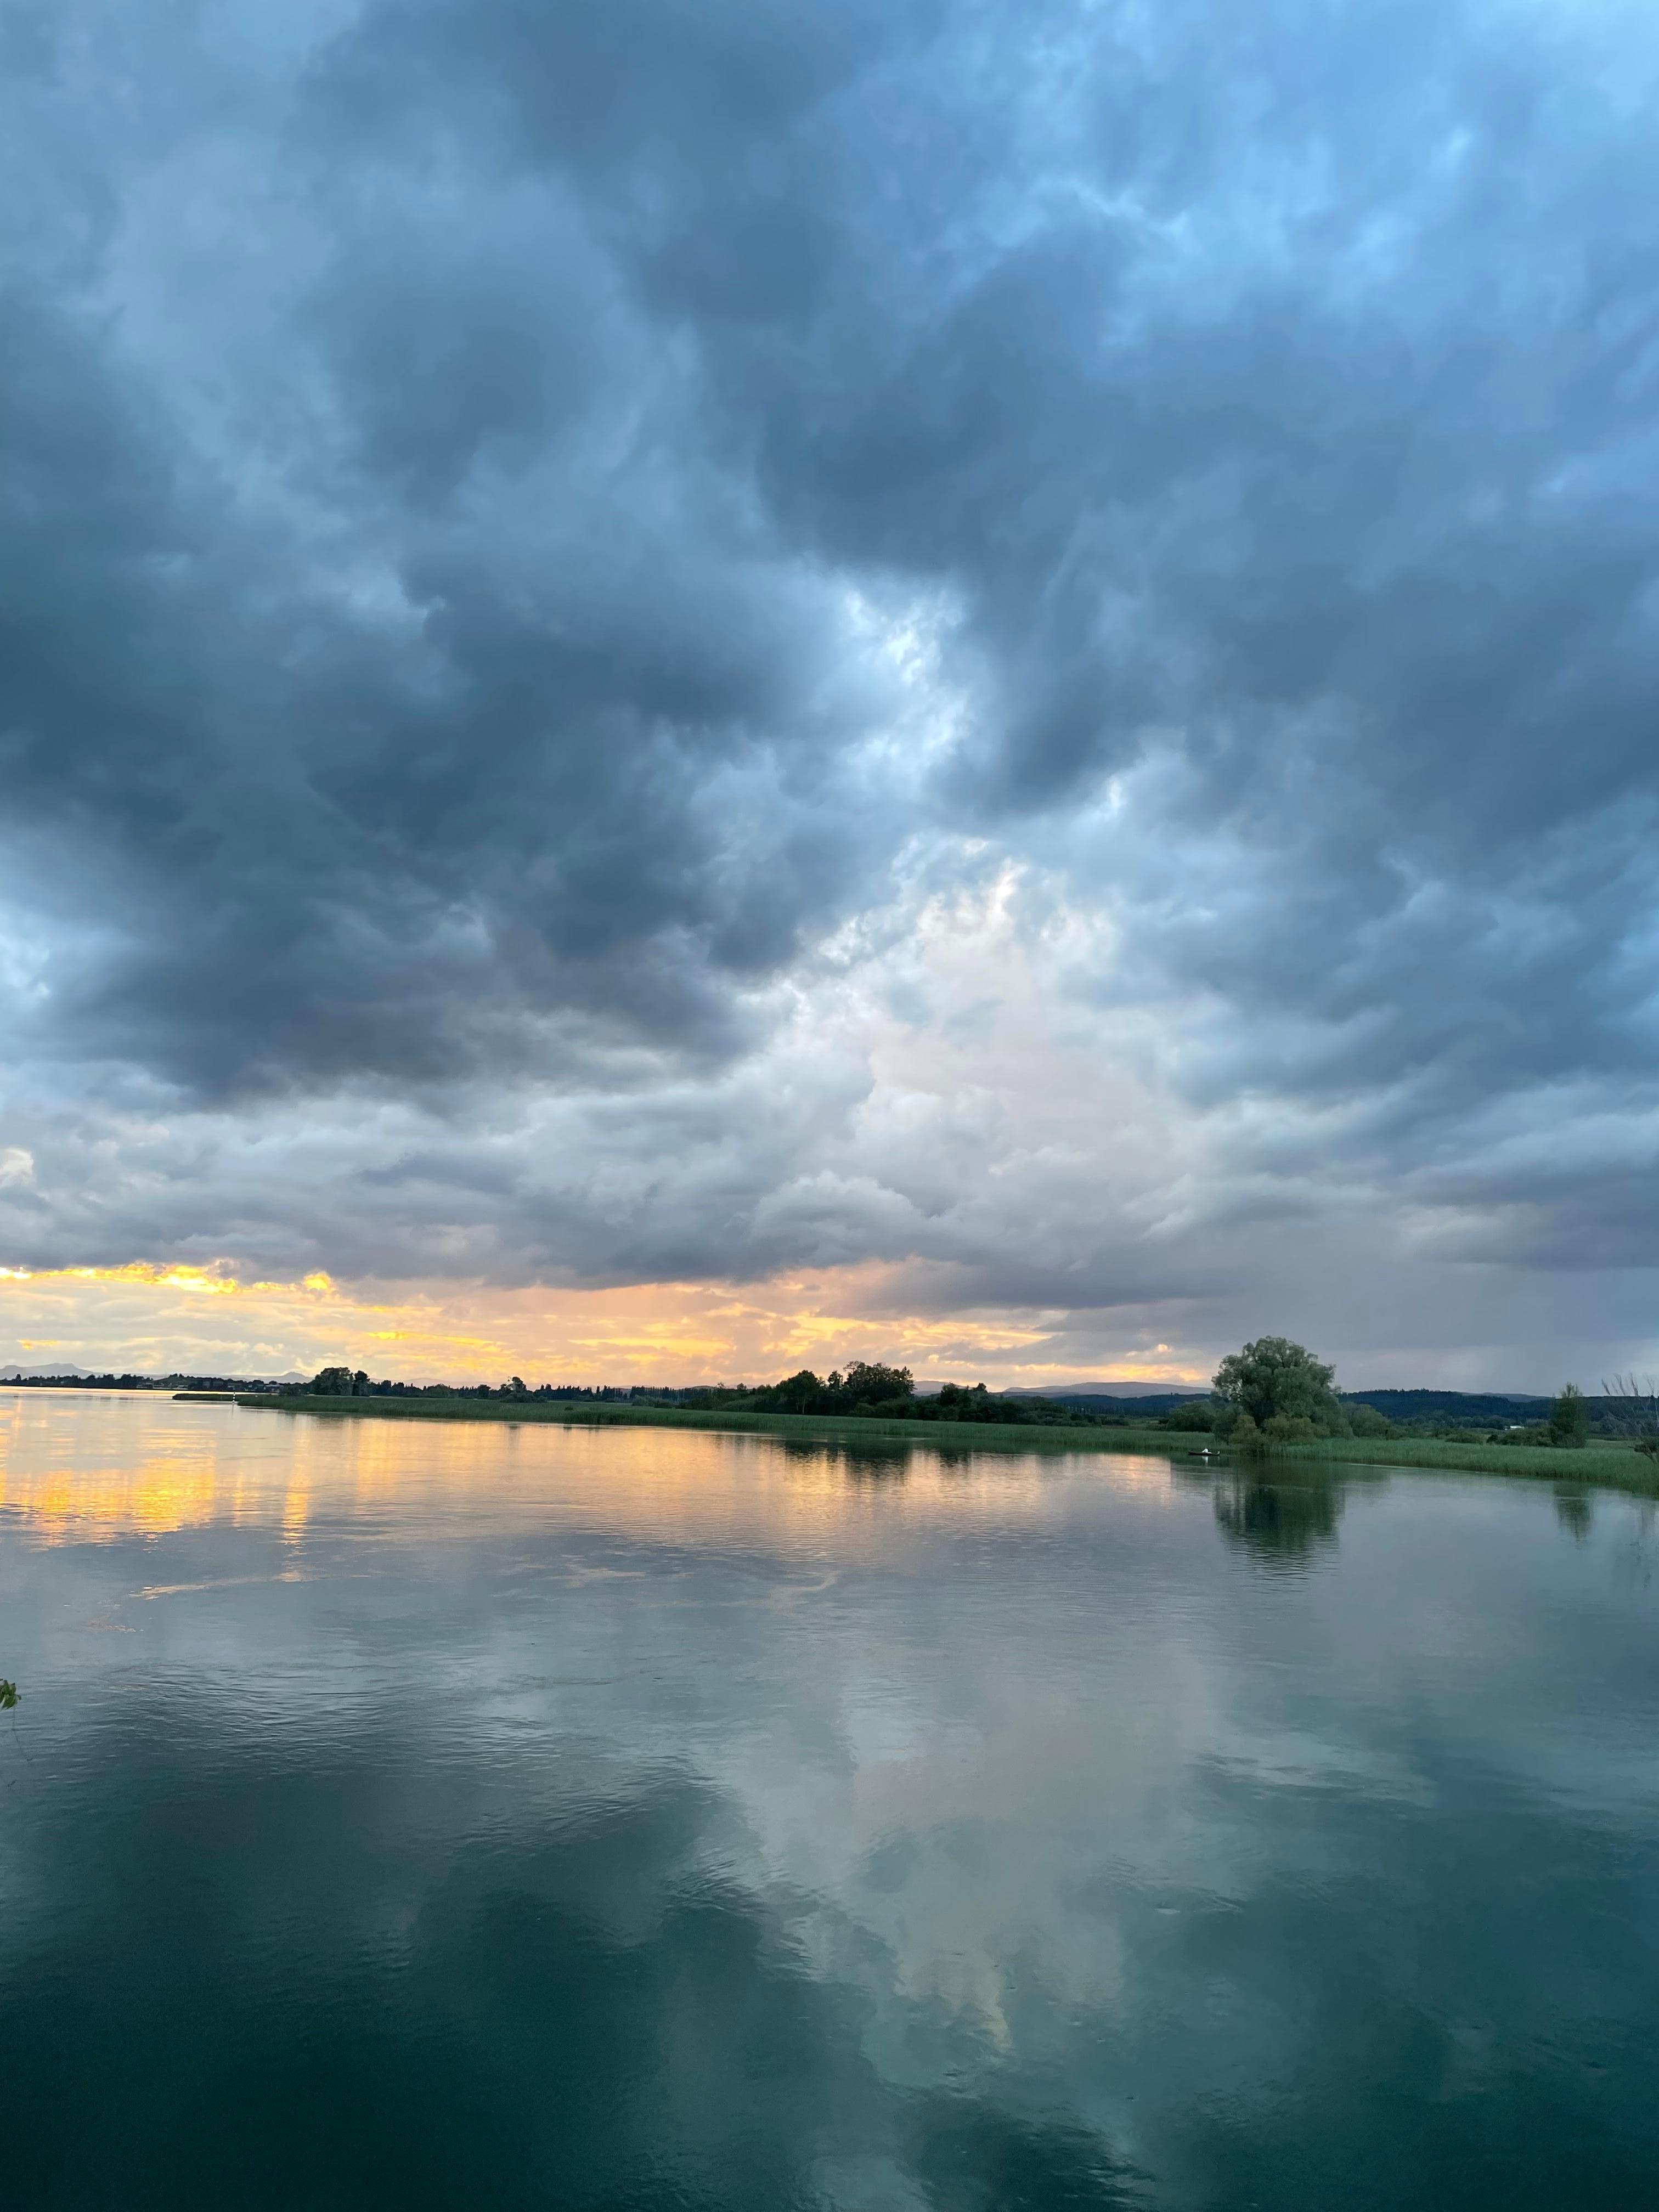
(75, 1472)
(77, 1466)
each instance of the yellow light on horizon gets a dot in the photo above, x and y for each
(146, 1314)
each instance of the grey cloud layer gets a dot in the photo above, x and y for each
(519, 521)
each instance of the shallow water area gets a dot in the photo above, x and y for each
(427, 1816)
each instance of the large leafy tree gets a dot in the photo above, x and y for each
(798, 1392)
(868, 1383)
(339, 1382)
(1275, 1379)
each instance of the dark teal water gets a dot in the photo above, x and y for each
(456, 1817)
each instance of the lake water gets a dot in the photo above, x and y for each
(399, 1815)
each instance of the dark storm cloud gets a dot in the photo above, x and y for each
(477, 473)
(435, 689)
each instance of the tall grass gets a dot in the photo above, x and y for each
(1602, 1463)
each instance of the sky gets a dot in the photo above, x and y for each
(689, 689)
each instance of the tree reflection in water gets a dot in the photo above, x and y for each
(877, 1461)
(1285, 1521)
(1575, 1508)
(1286, 1517)
(882, 1460)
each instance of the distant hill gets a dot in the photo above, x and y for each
(1460, 1405)
(1146, 1405)
(1149, 1400)
(1178, 1393)
(67, 1371)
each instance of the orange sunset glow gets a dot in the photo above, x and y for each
(201, 1320)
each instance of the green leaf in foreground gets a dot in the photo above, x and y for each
(7, 1696)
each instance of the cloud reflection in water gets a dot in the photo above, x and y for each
(501, 1818)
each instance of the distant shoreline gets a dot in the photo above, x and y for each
(1611, 1466)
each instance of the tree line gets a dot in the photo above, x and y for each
(867, 1389)
(1275, 1391)
(870, 1389)
(1272, 1391)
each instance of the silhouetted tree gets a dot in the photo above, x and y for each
(798, 1392)
(867, 1382)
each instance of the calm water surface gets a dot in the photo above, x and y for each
(410, 1815)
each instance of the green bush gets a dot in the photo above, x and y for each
(1191, 1419)
(1366, 1421)
(1288, 1429)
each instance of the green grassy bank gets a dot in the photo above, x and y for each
(981, 1436)
(1613, 1464)
(1601, 1463)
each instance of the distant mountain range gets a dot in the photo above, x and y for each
(66, 1370)
(1178, 1393)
